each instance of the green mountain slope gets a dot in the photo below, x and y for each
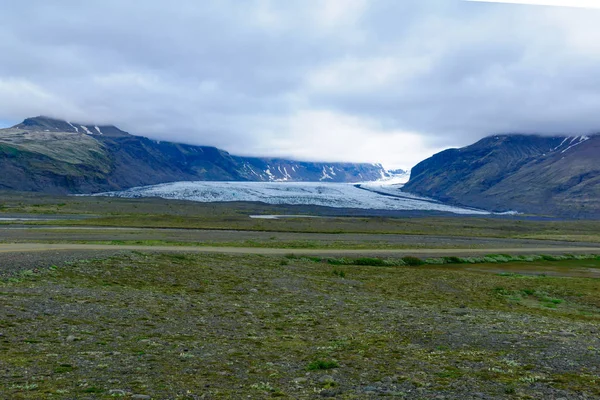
(54, 156)
(526, 173)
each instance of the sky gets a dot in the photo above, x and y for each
(384, 81)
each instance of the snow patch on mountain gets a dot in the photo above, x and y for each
(325, 175)
(73, 126)
(577, 140)
(269, 174)
(286, 176)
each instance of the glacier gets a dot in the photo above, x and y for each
(369, 195)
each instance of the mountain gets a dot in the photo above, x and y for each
(397, 172)
(396, 176)
(50, 155)
(532, 174)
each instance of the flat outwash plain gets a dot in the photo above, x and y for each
(105, 298)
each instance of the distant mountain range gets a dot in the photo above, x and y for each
(531, 174)
(557, 176)
(49, 155)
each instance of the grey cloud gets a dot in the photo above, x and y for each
(241, 75)
(510, 69)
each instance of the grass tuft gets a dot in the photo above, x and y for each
(322, 365)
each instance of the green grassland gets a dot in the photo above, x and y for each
(217, 326)
(221, 326)
(66, 147)
(158, 213)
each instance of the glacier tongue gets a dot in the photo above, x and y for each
(374, 196)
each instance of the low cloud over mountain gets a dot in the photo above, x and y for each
(338, 80)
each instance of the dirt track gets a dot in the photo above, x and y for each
(36, 247)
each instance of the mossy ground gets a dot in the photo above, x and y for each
(160, 213)
(222, 326)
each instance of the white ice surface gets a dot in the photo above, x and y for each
(340, 195)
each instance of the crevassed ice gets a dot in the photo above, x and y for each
(340, 195)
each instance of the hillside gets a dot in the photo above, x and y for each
(49, 155)
(527, 173)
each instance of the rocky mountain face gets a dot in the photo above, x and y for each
(532, 174)
(54, 156)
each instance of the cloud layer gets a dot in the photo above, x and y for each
(342, 80)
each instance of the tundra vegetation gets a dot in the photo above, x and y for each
(154, 324)
(232, 326)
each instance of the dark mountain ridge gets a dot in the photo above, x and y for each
(47, 124)
(50, 155)
(557, 175)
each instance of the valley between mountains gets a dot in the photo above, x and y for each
(551, 176)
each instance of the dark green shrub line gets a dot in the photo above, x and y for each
(412, 261)
(415, 261)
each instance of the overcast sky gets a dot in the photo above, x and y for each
(389, 81)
